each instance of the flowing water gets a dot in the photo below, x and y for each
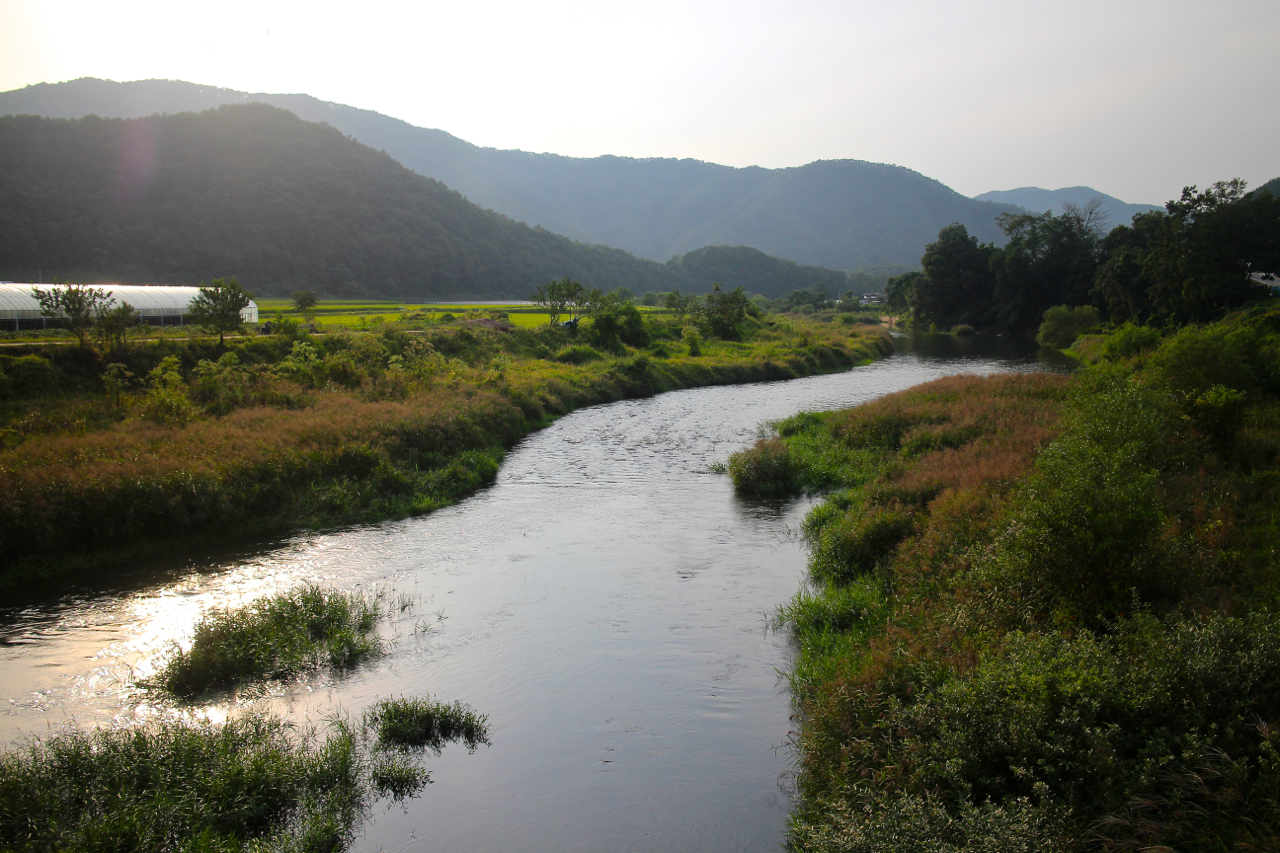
(604, 602)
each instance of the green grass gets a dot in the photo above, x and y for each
(276, 637)
(425, 724)
(250, 783)
(253, 783)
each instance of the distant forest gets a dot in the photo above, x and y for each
(253, 191)
(1205, 253)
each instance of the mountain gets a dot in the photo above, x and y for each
(1039, 200)
(1272, 186)
(255, 192)
(840, 214)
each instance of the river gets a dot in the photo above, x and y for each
(604, 602)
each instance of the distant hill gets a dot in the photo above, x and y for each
(1037, 200)
(253, 191)
(1272, 186)
(838, 214)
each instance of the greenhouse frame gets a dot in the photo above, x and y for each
(157, 305)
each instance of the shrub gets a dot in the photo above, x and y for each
(26, 376)
(964, 330)
(1062, 324)
(578, 354)
(1129, 340)
(166, 401)
(275, 637)
(765, 470)
(693, 341)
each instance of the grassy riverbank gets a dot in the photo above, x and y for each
(1043, 612)
(111, 454)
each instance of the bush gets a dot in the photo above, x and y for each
(1063, 324)
(279, 636)
(578, 354)
(765, 470)
(693, 341)
(1129, 340)
(964, 330)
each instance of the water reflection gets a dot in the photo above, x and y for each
(604, 602)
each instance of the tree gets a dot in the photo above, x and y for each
(115, 324)
(1210, 245)
(560, 297)
(724, 312)
(679, 304)
(304, 301)
(79, 304)
(217, 307)
(1049, 260)
(957, 282)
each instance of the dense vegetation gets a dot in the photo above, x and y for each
(275, 637)
(1189, 263)
(251, 783)
(838, 214)
(1043, 612)
(165, 441)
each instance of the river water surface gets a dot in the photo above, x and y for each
(604, 602)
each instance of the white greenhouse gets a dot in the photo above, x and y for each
(157, 305)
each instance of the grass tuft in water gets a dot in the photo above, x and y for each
(251, 783)
(276, 637)
(425, 723)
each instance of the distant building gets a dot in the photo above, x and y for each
(157, 305)
(873, 298)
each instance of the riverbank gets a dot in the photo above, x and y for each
(1042, 612)
(109, 455)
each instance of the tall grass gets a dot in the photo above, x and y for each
(1042, 612)
(250, 783)
(253, 783)
(276, 637)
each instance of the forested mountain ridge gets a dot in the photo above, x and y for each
(837, 214)
(1037, 200)
(256, 192)
(253, 191)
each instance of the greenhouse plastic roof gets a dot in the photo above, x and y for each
(17, 301)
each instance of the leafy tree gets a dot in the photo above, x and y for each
(900, 291)
(1063, 324)
(957, 281)
(1209, 245)
(679, 304)
(115, 324)
(1049, 260)
(562, 296)
(724, 312)
(1123, 283)
(217, 307)
(79, 304)
(305, 302)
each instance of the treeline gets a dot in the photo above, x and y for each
(1200, 257)
(283, 204)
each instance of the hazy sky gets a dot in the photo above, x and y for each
(1131, 97)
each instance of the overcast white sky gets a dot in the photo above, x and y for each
(1131, 97)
